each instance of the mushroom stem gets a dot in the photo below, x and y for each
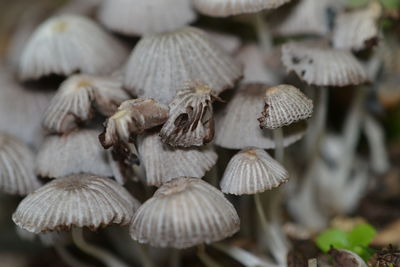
(68, 258)
(264, 38)
(279, 148)
(205, 258)
(175, 258)
(102, 255)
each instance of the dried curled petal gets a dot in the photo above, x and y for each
(191, 121)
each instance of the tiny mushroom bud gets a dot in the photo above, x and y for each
(68, 43)
(76, 99)
(191, 121)
(252, 171)
(133, 117)
(284, 105)
(17, 173)
(76, 152)
(183, 213)
(163, 163)
(343, 257)
(223, 8)
(183, 55)
(323, 66)
(82, 200)
(138, 17)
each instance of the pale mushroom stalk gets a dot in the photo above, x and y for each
(175, 258)
(279, 149)
(262, 29)
(67, 257)
(205, 258)
(102, 255)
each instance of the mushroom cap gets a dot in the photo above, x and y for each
(191, 117)
(82, 200)
(133, 117)
(358, 29)
(138, 17)
(163, 163)
(17, 170)
(323, 66)
(223, 8)
(76, 99)
(183, 213)
(252, 171)
(344, 257)
(237, 126)
(76, 152)
(284, 105)
(68, 43)
(160, 64)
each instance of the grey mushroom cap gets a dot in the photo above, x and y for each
(184, 212)
(82, 200)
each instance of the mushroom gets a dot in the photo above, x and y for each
(191, 117)
(137, 17)
(183, 213)
(76, 152)
(17, 169)
(68, 43)
(343, 257)
(183, 55)
(163, 163)
(76, 99)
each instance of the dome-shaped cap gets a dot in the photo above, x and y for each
(161, 64)
(82, 200)
(138, 17)
(76, 99)
(358, 29)
(21, 110)
(68, 43)
(133, 117)
(17, 169)
(323, 66)
(163, 163)
(183, 213)
(223, 8)
(76, 152)
(252, 171)
(191, 117)
(284, 105)
(237, 126)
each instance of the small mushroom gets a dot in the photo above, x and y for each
(163, 163)
(17, 168)
(138, 17)
(343, 257)
(68, 43)
(78, 97)
(183, 55)
(284, 105)
(183, 213)
(191, 117)
(133, 117)
(252, 171)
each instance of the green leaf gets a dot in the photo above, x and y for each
(391, 4)
(357, 3)
(332, 237)
(364, 252)
(361, 235)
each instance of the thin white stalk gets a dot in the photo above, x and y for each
(205, 258)
(263, 32)
(100, 254)
(279, 147)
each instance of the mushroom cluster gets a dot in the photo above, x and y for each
(95, 135)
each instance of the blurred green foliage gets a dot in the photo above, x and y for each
(387, 4)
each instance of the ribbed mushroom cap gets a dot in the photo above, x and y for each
(306, 17)
(183, 213)
(252, 171)
(255, 68)
(161, 64)
(237, 126)
(133, 117)
(163, 163)
(68, 43)
(21, 110)
(357, 30)
(191, 117)
(284, 105)
(223, 8)
(82, 200)
(78, 97)
(138, 17)
(76, 152)
(323, 66)
(17, 169)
